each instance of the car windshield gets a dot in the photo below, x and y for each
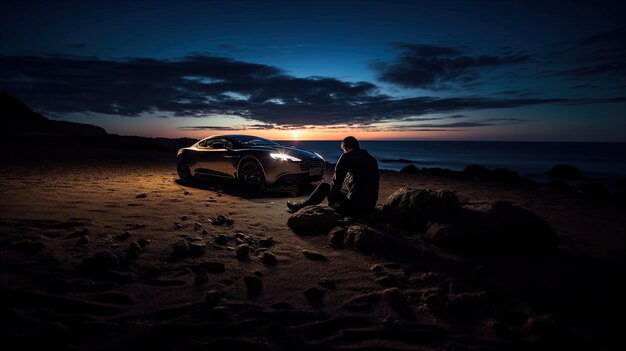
(253, 141)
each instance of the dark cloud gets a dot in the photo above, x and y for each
(599, 55)
(201, 85)
(438, 67)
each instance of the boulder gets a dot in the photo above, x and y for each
(498, 227)
(565, 172)
(410, 169)
(313, 220)
(410, 209)
(477, 172)
(504, 175)
(359, 237)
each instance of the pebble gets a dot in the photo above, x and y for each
(221, 239)
(187, 193)
(83, 240)
(316, 256)
(123, 236)
(386, 281)
(253, 282)
(184, 218)
(212, 297)
(197, 248)
(436, 302)
(267, 242)
(242, 251)
(141, 196)
(143, 242)
(394, 298)
(269, 259)
(181, 248)
(377, 268)
(134, 247)
(79, 233)
(240, 235)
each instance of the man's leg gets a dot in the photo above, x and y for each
(317, 196)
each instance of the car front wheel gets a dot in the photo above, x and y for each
(251, 176)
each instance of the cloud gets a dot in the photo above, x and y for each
(437, 67)
(201, 85)
(599, 55)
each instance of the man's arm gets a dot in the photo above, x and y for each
(341, 170)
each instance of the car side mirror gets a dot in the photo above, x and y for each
(217, 145)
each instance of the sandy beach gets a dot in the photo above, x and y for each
(106, 249)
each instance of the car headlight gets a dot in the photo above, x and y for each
(285, 157)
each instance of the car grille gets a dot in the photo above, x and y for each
(311, 163)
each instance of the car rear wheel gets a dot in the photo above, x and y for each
(251, 175)
(182, 166)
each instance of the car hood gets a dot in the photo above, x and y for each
(292, 151)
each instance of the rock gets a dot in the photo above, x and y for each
(362, 302)
(79, 233)
(386, 281)
(314, 294)
(411, 169)
(141, 196)
(134, 247)
(242, 251)
(83, 240)
(269, 259)
(436, 301)
(411, 209)
(123, 236)
(197, 226)
(312, 220)
(499, 227)
(143, 242)
(327, 283)
(212, 297)
(186, 193)
(201, 276)
(180, 249)
(477, 172)
(316, 256)
(395, 299)
(221, 239)
(267, 242)
(336, 237)
(504, 175)
(258, 273)
(197, 248)
(565, 172)
(596, 189)
(253, 283)
(542, 325)
(222, 220)
(377, 268)
(213, 266)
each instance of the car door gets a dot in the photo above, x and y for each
(231, 159)
(211, 157)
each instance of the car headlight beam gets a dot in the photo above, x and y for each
(284, 157)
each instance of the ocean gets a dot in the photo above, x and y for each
(598, 161)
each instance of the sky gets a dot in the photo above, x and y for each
(321, 70)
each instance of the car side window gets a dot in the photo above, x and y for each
(203, 143)
(212, 143)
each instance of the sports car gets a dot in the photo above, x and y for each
(255, 162)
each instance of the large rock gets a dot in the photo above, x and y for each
(412, 169)
(499, 227)
(411, 209)
(359, 237)
(565, 172)
(312, 220)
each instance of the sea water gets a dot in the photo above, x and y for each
(599, 161)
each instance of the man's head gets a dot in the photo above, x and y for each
(349, 143)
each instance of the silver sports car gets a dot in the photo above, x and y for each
(255, 162)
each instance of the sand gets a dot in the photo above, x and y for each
(64, 205)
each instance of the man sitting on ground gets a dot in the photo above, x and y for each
(361, 170)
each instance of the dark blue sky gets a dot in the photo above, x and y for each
(462, 70)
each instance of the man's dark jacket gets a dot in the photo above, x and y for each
(362, 171)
